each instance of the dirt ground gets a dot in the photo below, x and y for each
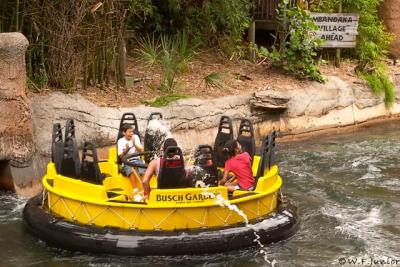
(238, 77)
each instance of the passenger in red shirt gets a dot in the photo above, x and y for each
(239, 163)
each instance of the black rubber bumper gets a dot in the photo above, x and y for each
(85, 238)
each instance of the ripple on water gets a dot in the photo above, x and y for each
(11, 207)
(364, 224)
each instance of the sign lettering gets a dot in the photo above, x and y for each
(339, 30)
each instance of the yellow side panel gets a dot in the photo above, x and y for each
(112, 155)
(254, 167)
(78, 189)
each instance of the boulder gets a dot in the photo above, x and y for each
(270, 99)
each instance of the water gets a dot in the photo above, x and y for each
(347, 188)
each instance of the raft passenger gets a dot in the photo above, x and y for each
(128, 145)
(154, 167)
(239, 163)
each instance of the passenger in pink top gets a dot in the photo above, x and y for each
(239, 163)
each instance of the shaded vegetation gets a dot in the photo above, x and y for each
(84, 42)
(298, 46)
(162, 101)
(372, 42)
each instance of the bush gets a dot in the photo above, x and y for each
(172, 53)
(209, 22)
(372, 43)
(299, 45)
(380, 82)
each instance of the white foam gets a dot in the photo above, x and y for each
(221, 201)
(363, 224)
(160, 131)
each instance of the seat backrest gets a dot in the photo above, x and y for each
(172, 171)
(272, 144)
(70, 164)
(69, 129)
(155, 116)
(90, 170)
(225, 133)
(266, 154)
(128, 118)
(246, 137)
(153, 140)
(57, 146)
(205, 161)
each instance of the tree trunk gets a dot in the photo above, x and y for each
(389, 12)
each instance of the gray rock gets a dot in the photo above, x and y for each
(270, 99)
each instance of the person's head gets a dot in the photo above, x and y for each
(127, 130)
(232, 148)
(169, 142)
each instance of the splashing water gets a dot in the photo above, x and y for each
(158, 131)
(138, 195)
(222, 202)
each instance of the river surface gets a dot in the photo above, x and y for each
(346, 186)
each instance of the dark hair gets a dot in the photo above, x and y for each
(169, 142)
(230, 148)
(126, 126)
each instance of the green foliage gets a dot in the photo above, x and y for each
(172, 53)
(214, 79)
(380, 82)
(209, 22)
(148, 50)
(169, 64)
(163, 101)
(299, 46)
(185, 50)
(373, 41)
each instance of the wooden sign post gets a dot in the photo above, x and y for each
(339, 30)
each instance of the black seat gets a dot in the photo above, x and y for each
(153, 140)
(70, 164)
(155, 116)
(90, 171)
(69, 129)
(57, 146)
(266, 154)
(246, 137)
(172, 171)
(225, 133)
(128, 118)
(207, 171)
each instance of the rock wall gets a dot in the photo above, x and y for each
(194, 121)
(389, 12)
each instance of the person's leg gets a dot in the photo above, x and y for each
(139, 170)
(231, 186)
(131, 174)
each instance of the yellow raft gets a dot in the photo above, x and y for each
(80, 215)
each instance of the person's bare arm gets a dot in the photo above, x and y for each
(224, 178)
(137, 145)
(150, 171)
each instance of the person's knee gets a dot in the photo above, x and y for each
(127, 171)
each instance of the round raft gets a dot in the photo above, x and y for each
(79, 237)
(88, 205)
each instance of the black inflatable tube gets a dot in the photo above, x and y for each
(85, 238)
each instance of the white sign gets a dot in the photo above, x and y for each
(337, 29)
